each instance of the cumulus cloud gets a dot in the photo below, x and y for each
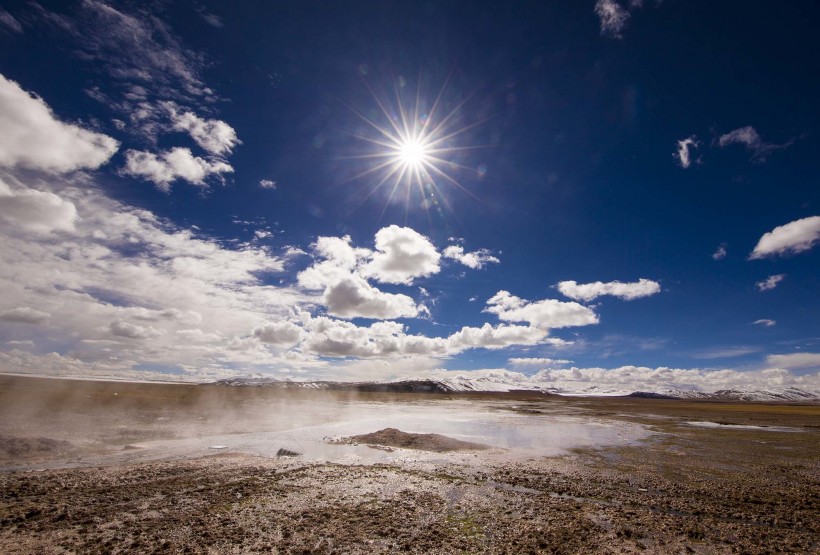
(346, 292)
(329, 337)
(338, 260)
(764, 322)
(770, 282)
(34, 138)
(495, 337)
(626, 291)
(613, 17)
(402, 255)
(215, 136)
(267, 184)
(795, 360)
(791, 238)
(748, 137)
(537, 361)
(281, 334)
(24, 315)
(173, 164)
(547, 313)
(475, 260)
(36, 211)
(684, 152)
(353, 297)
(720, 253)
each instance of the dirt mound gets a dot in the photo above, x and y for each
(392, 437)
(28, 446)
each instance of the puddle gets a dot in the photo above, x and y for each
(717, 425)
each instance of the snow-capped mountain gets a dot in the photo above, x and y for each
(790, 394)
(504, 383)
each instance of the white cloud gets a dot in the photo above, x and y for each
(725, 352)
(24, 315)
(613, 17)
(36, 211)
(177, 163)
(330, 337)
(352, 297)
(765, 322)
(267, 184)
(111, 286)
(626, 291)
(537, 361)
(795, 360)
(215, 136)
(720, 253)
(627, 379)
(640, 378)
(133, 331)
(684, 152)
(135, 47)
(9, 21)
(339, 261)
(282, 334)
(211, 19)
(748, 137)
(791, 238)
(495, 337)
(33, 138)
(548, 313)
(475, 260)
(402, 255)
(126, 285)
(770, 282)
(346, 292)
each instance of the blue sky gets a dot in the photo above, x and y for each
(603, 193)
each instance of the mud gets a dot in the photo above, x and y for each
(391, 437)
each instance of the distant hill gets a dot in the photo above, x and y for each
(485, 384)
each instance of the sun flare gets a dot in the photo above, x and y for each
(415, 149)
(413, 153)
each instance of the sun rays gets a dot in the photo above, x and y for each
(414, 148)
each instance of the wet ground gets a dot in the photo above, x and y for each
(160, 468)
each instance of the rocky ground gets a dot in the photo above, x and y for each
(687, 489)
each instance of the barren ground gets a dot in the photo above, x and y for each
(68, 485)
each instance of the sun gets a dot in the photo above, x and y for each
(413, 153)
(414, 147)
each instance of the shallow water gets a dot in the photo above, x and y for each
(718, 425)
(309, 427)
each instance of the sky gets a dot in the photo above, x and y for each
(604, 194)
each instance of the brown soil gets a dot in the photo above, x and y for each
(686, 490)
(26, 447)
(391, 437)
